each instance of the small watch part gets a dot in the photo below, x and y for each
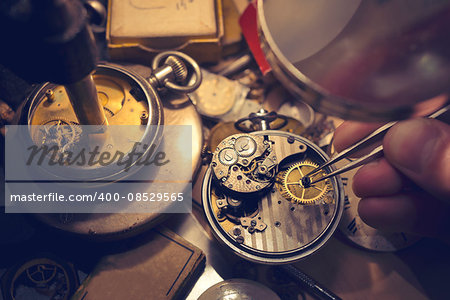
(295, 187)
(116, 95)
(228, 156)
(229, 203)
(221, 203)
(42, 275)
(236, 231)
(255, 223)
(217, 95)
(224, 129)
(245, 146)
(240, 163)
(232, 209)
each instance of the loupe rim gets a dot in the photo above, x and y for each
(318, 97)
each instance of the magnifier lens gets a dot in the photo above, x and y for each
(367, 60)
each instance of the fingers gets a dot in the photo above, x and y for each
(349, 132)
(407, 212)
(409, 189)
(420, 149)
(378, 178)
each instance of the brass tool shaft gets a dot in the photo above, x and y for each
(83, 97)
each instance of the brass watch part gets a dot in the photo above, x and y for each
(115, 95)
(292, 188)
(234, 163)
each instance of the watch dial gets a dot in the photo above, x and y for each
(354, 228)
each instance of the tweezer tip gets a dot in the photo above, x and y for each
(313, 171)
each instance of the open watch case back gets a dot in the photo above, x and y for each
(130, 95)
(256, 199)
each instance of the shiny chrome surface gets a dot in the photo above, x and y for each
(180, 65)
(237, 289)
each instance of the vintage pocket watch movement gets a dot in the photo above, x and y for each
(258, 201)
(130, 95)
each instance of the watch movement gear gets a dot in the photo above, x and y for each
(245, 203)
(294, 188)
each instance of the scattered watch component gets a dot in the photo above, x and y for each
(253, 223)
(358, 232)
(218, 95)
(260, 120)
(44, 276)
(225, 129)
(239, 289)
(321, 132)
(298, 110)
(259, 224)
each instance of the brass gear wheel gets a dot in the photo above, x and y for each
(291, 186)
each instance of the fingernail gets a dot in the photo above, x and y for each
(410, 144)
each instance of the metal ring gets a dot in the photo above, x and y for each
(238, 124)
(189, 61)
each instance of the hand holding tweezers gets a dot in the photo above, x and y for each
(377, 135)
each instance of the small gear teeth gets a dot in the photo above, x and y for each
(292, 189)
(179, 68)
(108, 112)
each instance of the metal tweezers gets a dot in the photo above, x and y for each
(375, 136)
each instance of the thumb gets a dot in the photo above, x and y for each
(420, 149)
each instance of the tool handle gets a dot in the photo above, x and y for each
(313, 286)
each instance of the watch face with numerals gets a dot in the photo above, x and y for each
(354, 228)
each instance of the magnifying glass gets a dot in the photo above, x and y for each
(372, 60)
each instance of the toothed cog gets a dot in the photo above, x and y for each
(292, 188)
